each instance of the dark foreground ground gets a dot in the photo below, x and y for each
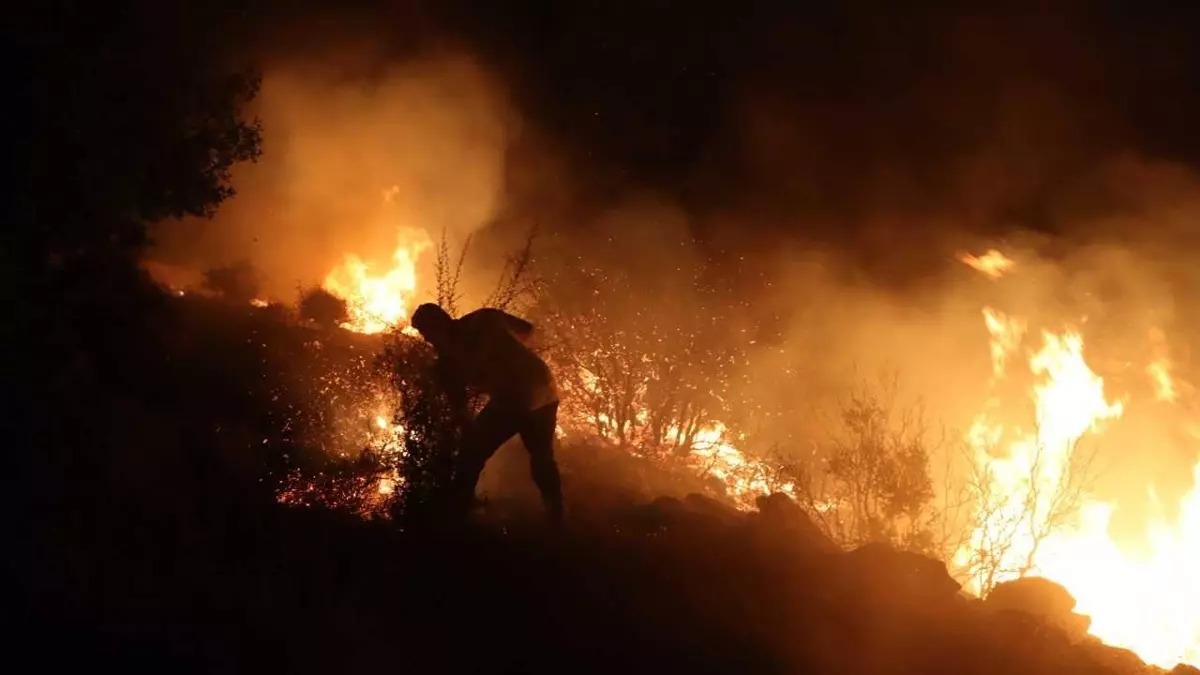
(671, 587)
(147, 543)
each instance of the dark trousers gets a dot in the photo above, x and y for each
(494, 425)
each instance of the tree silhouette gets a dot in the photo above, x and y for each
(129, 112)
(872, 480)
(135, 117)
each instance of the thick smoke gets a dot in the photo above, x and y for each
(837, 187)
(354, 156)
(1118, 272)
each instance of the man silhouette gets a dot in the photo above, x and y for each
(486, 350)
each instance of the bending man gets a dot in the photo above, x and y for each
(486, 350)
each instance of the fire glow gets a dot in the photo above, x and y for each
(377, 301)
(708, 450)
(993, 264)
(1144, 601)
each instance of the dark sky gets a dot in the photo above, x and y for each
(791, 107)
(653, 83)
(825, 118)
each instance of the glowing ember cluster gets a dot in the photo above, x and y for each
(1146, 601)
(361, 480)
(361, 474)
(346, 413)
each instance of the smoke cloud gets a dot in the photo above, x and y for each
(353, 159)
(833, 185)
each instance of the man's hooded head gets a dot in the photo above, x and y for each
(433, 323)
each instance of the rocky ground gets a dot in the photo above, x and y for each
(676, 585)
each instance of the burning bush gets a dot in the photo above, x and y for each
(642, 377)
(426, 429)
(638, 378)
(404, 465)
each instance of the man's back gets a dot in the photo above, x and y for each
(493, 356)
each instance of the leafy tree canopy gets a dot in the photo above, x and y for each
(135, 116)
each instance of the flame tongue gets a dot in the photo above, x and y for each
(994, 264)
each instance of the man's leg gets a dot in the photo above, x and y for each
(494, 425)
(537, 433)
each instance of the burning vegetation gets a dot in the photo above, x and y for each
(660, 377)
(1017, 499)
(1035, 513)
(797, 432)
(379, 300)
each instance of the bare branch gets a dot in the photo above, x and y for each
(448, 276)
(516, 282)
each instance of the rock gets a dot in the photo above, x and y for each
(779, 512)
(779, 505)
(1116, 659)
(889, 574)
(668, 505)
(662, 515)
(1042, 598)
(1031, 594)
(712, 508)
(1184, 669)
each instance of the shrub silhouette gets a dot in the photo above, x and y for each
(322, 307)
(237, 282)
(429, 440)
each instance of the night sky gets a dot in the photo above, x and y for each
(829, 110)
(796, 112)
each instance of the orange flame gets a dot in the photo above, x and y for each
(1159, 370)
(379, 301)
(1006, 333)
(994, 264)
(744, 478)
(1143, 601)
